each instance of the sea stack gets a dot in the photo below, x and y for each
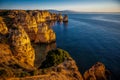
(59, 17)
(65, 18)
(97, 72)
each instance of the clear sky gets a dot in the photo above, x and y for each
(76, 5)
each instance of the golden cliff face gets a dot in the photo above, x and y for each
(45, 34)
(30, 22)
(21, 44)
(3, 27)
(5, 53)
(17, 55)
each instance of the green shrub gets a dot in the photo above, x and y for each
(54, 58)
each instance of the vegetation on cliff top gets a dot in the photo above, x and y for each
(54, 58)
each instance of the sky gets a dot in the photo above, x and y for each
(75, 5)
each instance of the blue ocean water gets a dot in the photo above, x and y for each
(91, 38)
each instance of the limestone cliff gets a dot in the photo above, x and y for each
(28, 22)
(59, 17)
(45, 34)
(63, 67)
(17, 55)
(21, 44)
(97, 72)
(64, 71)
(65, 18)
(5, 53)
(3, 27)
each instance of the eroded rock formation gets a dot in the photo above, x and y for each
(5, 53)
(21, 44)
(59, 17)
(96, 72)
(17, 29)
(45, 34)
(3, 27)
(30, 21)
(65, 18)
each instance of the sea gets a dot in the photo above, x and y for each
(91, 38)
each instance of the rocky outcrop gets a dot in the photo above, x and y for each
(59, 17)
(45, 34)
(3, 27)
(42, 16)
(65, 18)
(38, 16)
(28, 22)
(17, 55)
(65, 70)
(21, 45)
(96, 72)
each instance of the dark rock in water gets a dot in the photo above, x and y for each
(65, 18)
(97, 72)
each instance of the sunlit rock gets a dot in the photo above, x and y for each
(45, 34)
(3, 27)
(38, 16)
(5, 53)
(59, 17)
(28, 22)
(21, 45)
(96, 72)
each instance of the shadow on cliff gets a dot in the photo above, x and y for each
(41, 52)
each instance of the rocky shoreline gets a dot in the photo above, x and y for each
(21, 32)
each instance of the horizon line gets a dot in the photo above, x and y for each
(67, 10)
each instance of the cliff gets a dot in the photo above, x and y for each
(45, 34)
(30, 21)
(21, 46)
(65, 69)
(20, 30)
(97, 72)
(3, 27)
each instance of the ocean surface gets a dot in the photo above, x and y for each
(91, 38)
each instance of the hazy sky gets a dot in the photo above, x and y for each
(76, 5)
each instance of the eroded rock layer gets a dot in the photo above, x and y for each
(96, 72)
(21, 44)
(3, 27)
(45, 34)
